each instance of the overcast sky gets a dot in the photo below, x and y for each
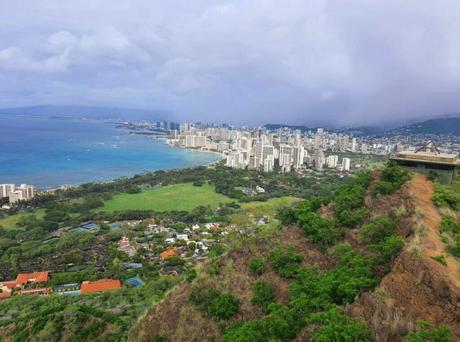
(241, 61)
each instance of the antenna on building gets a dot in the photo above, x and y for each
(430, 145)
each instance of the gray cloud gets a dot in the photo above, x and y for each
(316, 61)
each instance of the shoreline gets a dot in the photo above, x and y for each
(85, 171)
(220, 156)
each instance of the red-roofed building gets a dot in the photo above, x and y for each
(100, 285)
(5, 292)
(11, 284)
(168, 254)
(36, 277)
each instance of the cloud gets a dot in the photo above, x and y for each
(322, 61)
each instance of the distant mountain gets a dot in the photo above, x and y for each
(449, 125)
(355, 131)
(88, 112)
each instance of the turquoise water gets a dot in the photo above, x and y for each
(49, 152)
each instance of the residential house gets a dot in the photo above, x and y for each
(100, 285)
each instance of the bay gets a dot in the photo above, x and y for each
(48, 152)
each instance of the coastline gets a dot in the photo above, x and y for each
(220, 156)
(78, 152)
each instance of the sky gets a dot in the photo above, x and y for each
(336, 62)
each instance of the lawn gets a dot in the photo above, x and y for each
(270, 207)
(9, 222)
(172, 197)
(258, 210)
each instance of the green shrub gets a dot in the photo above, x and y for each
(257, 265)
(320, 230)
(380, 228)
(223, 306)
(262, 294)
(387, 248)
(445, 196)
(285, 261)
(441, 258)
(202, 297)
(214, 303)
(338, 327)
(249, 331)
(449, 224)
(427, 333)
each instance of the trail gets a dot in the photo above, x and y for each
(431, 243)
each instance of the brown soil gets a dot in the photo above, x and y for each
(418, 287)
(177, 320)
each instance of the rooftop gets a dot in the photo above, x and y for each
(100, 285)
(36, 277)
(428, 157)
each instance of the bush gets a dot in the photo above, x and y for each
(445, 196)
(427, 333)
(256, 265)
(320, 230)
(202, 297)
(392, 178)
(387, 248)
(338, 327)
(223, 306)
(380, 228)
(249, 331)
(216, 304)
(285, 261)
(262, 294)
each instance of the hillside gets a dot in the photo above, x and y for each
(433, 126)
(354, 269)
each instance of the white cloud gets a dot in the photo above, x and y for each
(268, 60)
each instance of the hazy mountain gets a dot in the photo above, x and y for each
(450, 125)
(90, 112)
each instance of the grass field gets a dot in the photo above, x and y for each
(10, 221)
(256, 210)
(270, 207)
(172, 197)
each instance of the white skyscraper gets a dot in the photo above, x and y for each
(346, 164)
(353, 144)
(5, 189)
(332, 161)
(285, 157)
(298, 156)
(268, 158)
(319, 160)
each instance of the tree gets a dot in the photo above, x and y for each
(338, 327)
(262, 294)
(285, 261)
(223, 306)
(427, 333)
(256, 265)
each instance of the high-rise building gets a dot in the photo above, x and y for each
(332, 161)
(27, 191)
(319, 160)
(5, 189)
(268, 158)
(285, 157)
(298, 156)
(346, 164)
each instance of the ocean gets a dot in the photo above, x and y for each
(48, 152)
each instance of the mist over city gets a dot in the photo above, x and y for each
(320, 62)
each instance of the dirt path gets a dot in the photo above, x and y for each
(422, 192)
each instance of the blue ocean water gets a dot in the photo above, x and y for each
(48, 152)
